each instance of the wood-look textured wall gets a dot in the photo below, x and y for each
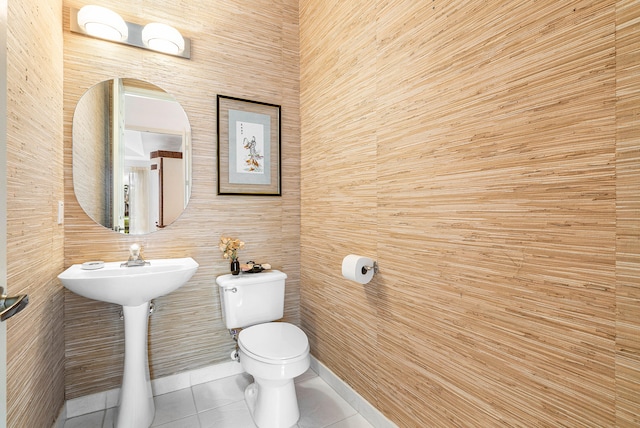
(90, 132)
(487, 155)
(628, 213)
(241, 49)
(35, 336)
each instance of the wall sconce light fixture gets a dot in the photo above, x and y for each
(162, 38)
(103, 23)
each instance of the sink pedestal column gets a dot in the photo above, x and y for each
(136, 408)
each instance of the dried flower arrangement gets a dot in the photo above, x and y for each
(230, 247)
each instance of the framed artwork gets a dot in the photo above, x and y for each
(248, 147)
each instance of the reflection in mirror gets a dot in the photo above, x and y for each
(131, 156)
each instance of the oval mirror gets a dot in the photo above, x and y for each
(131, 156)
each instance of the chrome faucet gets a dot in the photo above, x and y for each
(135, 259)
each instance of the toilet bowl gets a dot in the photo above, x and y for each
(273, 353)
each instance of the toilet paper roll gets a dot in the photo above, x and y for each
(354, 268)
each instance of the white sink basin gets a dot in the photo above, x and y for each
(129, 286)
(133, 288)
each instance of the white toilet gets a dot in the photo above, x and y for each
(272, 352)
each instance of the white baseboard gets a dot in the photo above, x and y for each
(108, 399)
(164, 385)
(368, 411)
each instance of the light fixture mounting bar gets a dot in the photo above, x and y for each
(134, 38)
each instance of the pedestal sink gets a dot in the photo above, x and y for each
(133, 288)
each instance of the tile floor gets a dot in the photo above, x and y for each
(221, 404)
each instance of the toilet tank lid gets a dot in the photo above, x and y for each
(250, 278)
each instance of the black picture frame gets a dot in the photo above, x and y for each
(249, 147)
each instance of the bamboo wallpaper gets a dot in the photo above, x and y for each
(627, 213)
(35, 336)
(487, 155)
(91, 131)
(241, 49)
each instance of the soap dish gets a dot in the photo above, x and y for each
(93, 265)
(251, 267)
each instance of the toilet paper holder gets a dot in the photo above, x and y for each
(365, 269)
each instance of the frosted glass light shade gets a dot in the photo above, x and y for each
(162, 38)
(101, 22)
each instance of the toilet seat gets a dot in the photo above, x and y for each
(274, 342)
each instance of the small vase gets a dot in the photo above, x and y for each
(235, 267)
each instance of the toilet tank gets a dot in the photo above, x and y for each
(249, 299)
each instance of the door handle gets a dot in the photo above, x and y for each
(9, 306)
